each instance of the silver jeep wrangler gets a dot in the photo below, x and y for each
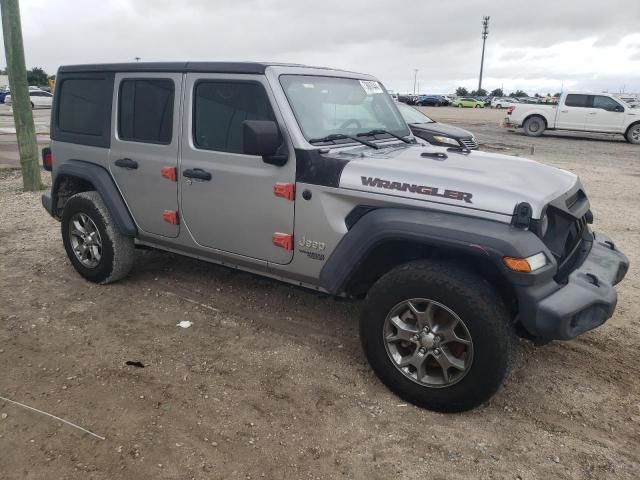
(310, 176)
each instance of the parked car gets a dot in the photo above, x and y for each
(307, 175)
(405, 99)
(468, 102)
(503, 102)
(584, 112)
(434, 132)
(39, 98)
(431, 101)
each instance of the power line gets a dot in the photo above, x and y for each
(485, 33)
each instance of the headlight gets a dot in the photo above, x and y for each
(447, 140)
(528, 264)
(544, 225)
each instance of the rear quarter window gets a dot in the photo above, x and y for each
(82, 110)
(574, 100)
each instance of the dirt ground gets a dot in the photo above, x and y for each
(270, 381)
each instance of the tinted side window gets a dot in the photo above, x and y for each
(219, 110)
(145, 110)
(574, 100)
(606, 103)
(83, 106)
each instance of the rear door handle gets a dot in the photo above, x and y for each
(564, 111)
(593, 113)
(197, 173)
(126, 163)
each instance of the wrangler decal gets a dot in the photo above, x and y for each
(413, 188)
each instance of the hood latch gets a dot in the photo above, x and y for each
(522, 215)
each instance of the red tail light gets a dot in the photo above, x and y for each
(47, 159)
(510, 110)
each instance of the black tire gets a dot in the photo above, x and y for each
(475, 302)
(633, 134)
(32, 106)
(534, 126)
(499, 106)
(117, 250)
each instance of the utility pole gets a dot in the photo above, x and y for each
(21, 104)
(415, 78)
(485, 32)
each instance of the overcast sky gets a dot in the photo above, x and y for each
(536, 46)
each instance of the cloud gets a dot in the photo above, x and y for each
(527, 47)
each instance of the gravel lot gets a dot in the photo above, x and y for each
(270, 381)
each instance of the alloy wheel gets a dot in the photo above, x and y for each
(85, 240)
(428, 343)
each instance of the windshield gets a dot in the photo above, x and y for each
(413, 116)
(327, 106)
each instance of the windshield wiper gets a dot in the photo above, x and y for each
(342, 136)
(372, 133)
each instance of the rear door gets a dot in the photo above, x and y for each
(144, 147)
(572, 114)
(232, 206)
(605, 115)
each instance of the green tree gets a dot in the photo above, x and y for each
(497, 93)
(518, 93)
(462, 92)
(557, 94)
(479, 93)
(37, 76)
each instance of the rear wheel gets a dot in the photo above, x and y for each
(633, 134)
(499, 106)
(534, 126)
(437, 335)
(96, 249)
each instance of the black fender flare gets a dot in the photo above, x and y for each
(490, 239)
(101, 179)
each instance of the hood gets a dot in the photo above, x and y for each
(476, 180)
(437, 128)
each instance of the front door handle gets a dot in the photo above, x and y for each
(126, 163)
(197, 173)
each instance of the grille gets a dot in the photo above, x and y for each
(470, 143)
(564, 238)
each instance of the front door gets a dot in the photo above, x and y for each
(572, 115)
(605, 115)
(144, 147)
(227, 197)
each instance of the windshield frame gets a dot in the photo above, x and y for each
(406, 132)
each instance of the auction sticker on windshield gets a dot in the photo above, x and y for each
(371, 87)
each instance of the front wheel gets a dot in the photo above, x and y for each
(97, 250)
(437, 335)
(459, 105)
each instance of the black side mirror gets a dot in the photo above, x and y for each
(619, 109)
(262, 137)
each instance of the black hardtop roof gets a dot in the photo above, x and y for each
(254, 68)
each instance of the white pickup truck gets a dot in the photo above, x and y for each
(584, 112)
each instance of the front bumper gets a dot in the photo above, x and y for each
(588, 299)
